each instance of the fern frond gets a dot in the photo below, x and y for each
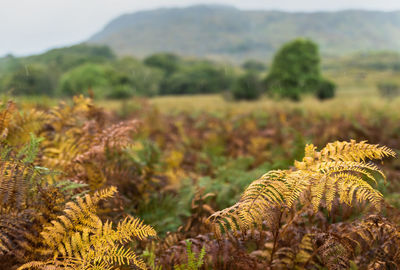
(353, 151)
(120, 256)
(340, 170)
(79, 234)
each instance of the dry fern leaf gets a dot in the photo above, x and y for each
(79, 237)
(341, 169)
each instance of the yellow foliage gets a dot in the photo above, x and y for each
(80, 240)
(341, 169)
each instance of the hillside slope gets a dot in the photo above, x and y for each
(226, 32)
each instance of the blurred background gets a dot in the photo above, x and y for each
(220, 51)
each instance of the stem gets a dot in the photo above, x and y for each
(276, 236)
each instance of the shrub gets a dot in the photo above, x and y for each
(82, 78)
(167, 62)
(196, 78)
(130, 73)
(29, 80)
(247, 87)
(325, 90)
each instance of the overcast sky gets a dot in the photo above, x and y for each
(33, 26)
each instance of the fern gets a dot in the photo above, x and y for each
(341, 169)
(193, 262)
(28, 153)
(80, 239)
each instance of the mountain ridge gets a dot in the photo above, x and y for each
(225, 32)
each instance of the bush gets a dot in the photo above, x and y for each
(165, 61)
(247, 87)
(326, 90)
(133, 74)
(389, 89)
(82, 78)
(196, 78)
(29, 80)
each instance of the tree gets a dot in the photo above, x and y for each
(29, 80)
(167, 62)
(134, 78)
(82, 78)
(200, 77)
(247, 87)
(295, 70)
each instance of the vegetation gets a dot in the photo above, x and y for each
(94, 70)
(106, 77)
(200, 77)
(136, 177)
(296, 71)
(62, 166)
(247, 87)
(389, 89)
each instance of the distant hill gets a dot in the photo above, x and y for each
(228, 33)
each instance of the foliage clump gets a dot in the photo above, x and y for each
(295, 71)
(247, 87)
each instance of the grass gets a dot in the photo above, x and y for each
(357, 93)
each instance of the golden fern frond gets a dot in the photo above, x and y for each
(337, 171)
(305, 249)
(120, 256)
(284, 258)
(50, 265)
(133, 227)
(79, 236)
(79, 217)
(354, 151)
(255, 205)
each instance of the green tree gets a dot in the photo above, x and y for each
(87, 76)
(247, 87)
(136, 78)
(295, 70)
(167, 62)
(200, 77)
(29, 80)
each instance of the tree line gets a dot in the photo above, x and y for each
(97, 71)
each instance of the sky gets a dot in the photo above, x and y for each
(34, 26)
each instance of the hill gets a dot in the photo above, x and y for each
(228, 33)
